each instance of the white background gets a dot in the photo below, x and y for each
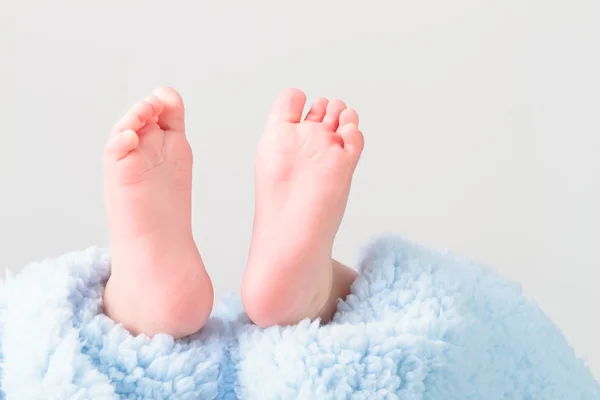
(482, 125)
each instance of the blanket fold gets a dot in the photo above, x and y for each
(419, 324)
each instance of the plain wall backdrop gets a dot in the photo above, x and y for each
(481, 118)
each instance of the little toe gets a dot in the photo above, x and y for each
(332, 115)
(353, 139)
(288, 106)
(120, 144)
(348, 116)
(317, 110)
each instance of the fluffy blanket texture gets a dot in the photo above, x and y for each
(419, 324)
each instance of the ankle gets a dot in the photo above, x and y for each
(343, 279)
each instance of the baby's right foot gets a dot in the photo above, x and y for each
(158, 283)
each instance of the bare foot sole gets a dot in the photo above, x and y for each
(303, 173)
(158, 282)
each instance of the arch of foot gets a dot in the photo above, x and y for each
(419, 324)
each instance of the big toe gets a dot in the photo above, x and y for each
(172, 116)
(288, 106)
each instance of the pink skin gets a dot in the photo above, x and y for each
(303, 174)
(158, 282)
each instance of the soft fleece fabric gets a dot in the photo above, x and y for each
(419, 324)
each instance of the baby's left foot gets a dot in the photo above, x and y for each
(303, 171)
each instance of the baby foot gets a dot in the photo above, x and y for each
(303, 172)
(158, 283)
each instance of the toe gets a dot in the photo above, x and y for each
(172, 116)
(317, 110)
(288, 106)
(136, 118)
(120, 144)
(332, 115)
(353, 139)
(348, 116)
(156, 104)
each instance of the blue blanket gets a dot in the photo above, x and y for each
(419, 324)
